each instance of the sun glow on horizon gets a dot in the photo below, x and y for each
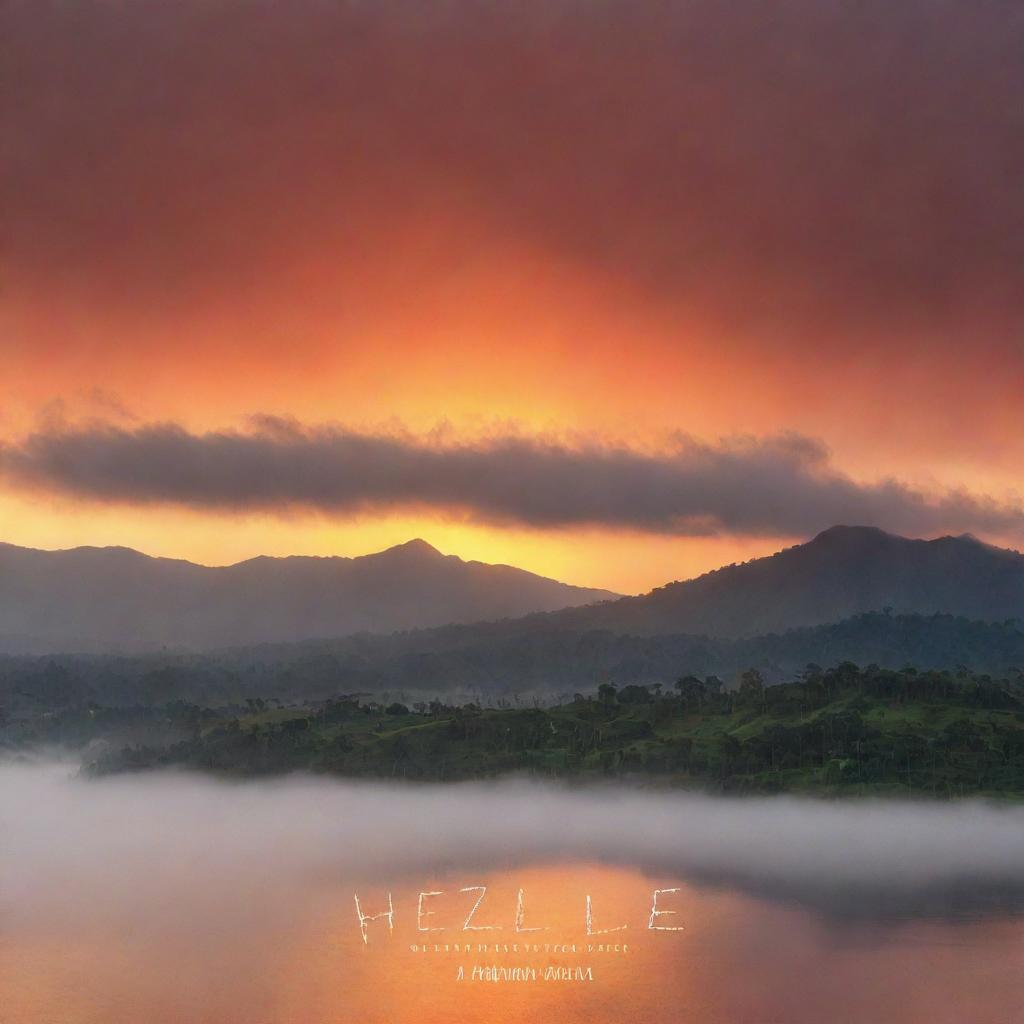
(620, 561)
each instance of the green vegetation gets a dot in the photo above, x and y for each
(843, 730)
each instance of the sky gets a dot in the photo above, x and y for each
(614, 292)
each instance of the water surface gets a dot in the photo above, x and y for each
(174, 898)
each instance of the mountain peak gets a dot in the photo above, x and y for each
(844, 534)
(417, 547)
(62, 601)
(842, 572)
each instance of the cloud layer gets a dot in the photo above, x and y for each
(776, 486)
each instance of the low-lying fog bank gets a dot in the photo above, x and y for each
(160, 842)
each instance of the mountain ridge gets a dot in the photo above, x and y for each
(144, 603)
(93, 599)
(840, 572)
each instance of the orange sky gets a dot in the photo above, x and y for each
(219, 214)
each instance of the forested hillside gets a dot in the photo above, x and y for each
(843, 730)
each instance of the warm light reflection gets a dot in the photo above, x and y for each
(736, 960)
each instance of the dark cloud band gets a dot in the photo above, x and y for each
(777, 486)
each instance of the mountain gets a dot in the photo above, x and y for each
(844, 571)
(101, 599)
(108, 599)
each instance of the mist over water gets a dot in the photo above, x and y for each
(129, 836)
(177, 897)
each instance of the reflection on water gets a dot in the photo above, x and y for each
(163, 900)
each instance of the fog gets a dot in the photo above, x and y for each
(177, 846)
(171, 898)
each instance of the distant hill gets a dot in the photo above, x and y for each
(511, 659)
(844, 571)
(103, 599)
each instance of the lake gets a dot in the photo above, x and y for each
(171, 898)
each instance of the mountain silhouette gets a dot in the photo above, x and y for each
(844, 571)
(109, 599)
(102, 599)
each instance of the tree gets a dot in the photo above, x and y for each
(752, 687)
(691, 690)
(634, 694)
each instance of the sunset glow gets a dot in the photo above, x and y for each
(633, 258)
